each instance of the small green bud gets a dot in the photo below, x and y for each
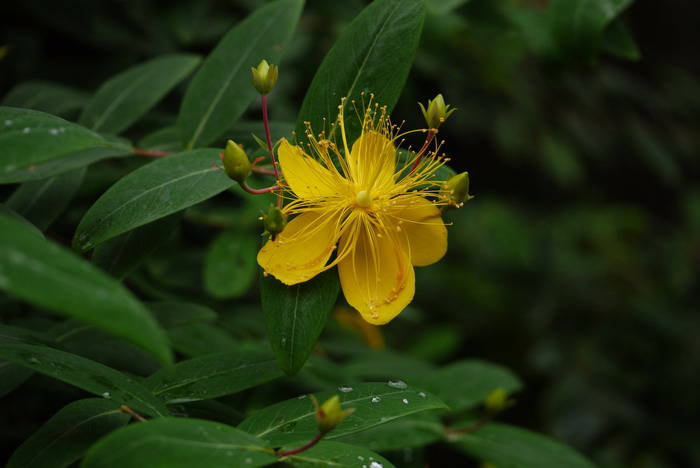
(437, 111)
(274, 220)
(329, 415)
(264, 77)
(497, 400)
(236, 162)
(456, 190)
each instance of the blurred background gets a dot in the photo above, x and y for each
(575, 265)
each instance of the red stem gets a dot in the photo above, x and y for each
(306, 446)
(262, 170)
(248, 189)
(150, 153)
(266, 123)
(428, 139)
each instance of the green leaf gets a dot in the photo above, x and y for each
(13, 375)
(577, 25)
(202, 339)
(86, 374)
(337, 454)
(63, 164)
(126, 97)
(158, 189)
(230, 265)
(293, 420)
(50, 276)
(212, 376)
(222, 89)
(30, 137)
(443, 7)
(374, 55)
(42, 202)
(416, 430)
(120, 255)
(513, 447)
(178, 443)
(22, 222)
(465, 384)
(164, 139)
(47, 97)
(295, 316)
(172, 314)
(65, 437)
(618, 41)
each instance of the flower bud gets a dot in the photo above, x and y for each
(236, 162)
(497, 400)
(437, 111)
(274, 221)
(456, 190)
(264, 77)
(330, 414)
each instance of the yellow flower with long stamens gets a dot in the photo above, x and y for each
(380, 213)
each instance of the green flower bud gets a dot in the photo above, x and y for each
(236, 162)
(437, 111)
(274, 221)
(497, 400)
(456, 190)
(329, 415)
(264, 77)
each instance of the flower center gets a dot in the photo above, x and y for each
(363, 198)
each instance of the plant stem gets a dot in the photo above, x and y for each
(268, 138)
(249, 189)
(262, 170)
(150, 153)
(306, 446)
(132, 413)
(428, 139)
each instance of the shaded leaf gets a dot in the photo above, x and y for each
(65, 437)
(337, 454)
(45, 96)
(158, 189)
(30, 137)
(172, 314)
(178, 443)
(73, 287)
(222, 88)
(124, 98)
(212, 376)
(230, 264)
(84, 373)
(618, 41)
(295, 316)
(513, 447)
(293, 420)
(373, 55)
(411, 431)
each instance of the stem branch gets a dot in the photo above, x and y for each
(266, 123)
(428, 139)
(150, 153)
(132, 413)
(306, 446)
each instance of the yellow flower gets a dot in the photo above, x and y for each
(376, 210)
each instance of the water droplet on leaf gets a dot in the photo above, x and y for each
(397, 384)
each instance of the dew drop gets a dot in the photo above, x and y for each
(301, 397)
(8, 122)
(345, 389)
(422, 394)
(105, 394)
(33, 360)
(405, 401)
(376, 399)
(360, 457)
(53, 131)
(375, 464)
(248, 461)
(26, 130)
(397, 384)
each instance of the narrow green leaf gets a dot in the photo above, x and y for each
(293, 420)
(63, 164)
(65, 437)
(178, 443)
(120, 255)
(513, 447)
(337, 454)
(13, 375)
(202, 339)
(230, 265)
(50, 276)
(22, 222)
(42, 202)
(171, 314)
(47, 97)
(618, 40)
(212, 376)
(158, 189)
(86, 374)
(577, 25)
(295, 316)
(30, 137)
(164, 139)
(416, 430)
(443, 7)
(222, 89)
(124, 98)
(374, 55)
(465, 384)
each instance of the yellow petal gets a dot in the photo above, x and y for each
(302, 250)
(307, 178)
(372, 161)
(375, 274)
(422, 232)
